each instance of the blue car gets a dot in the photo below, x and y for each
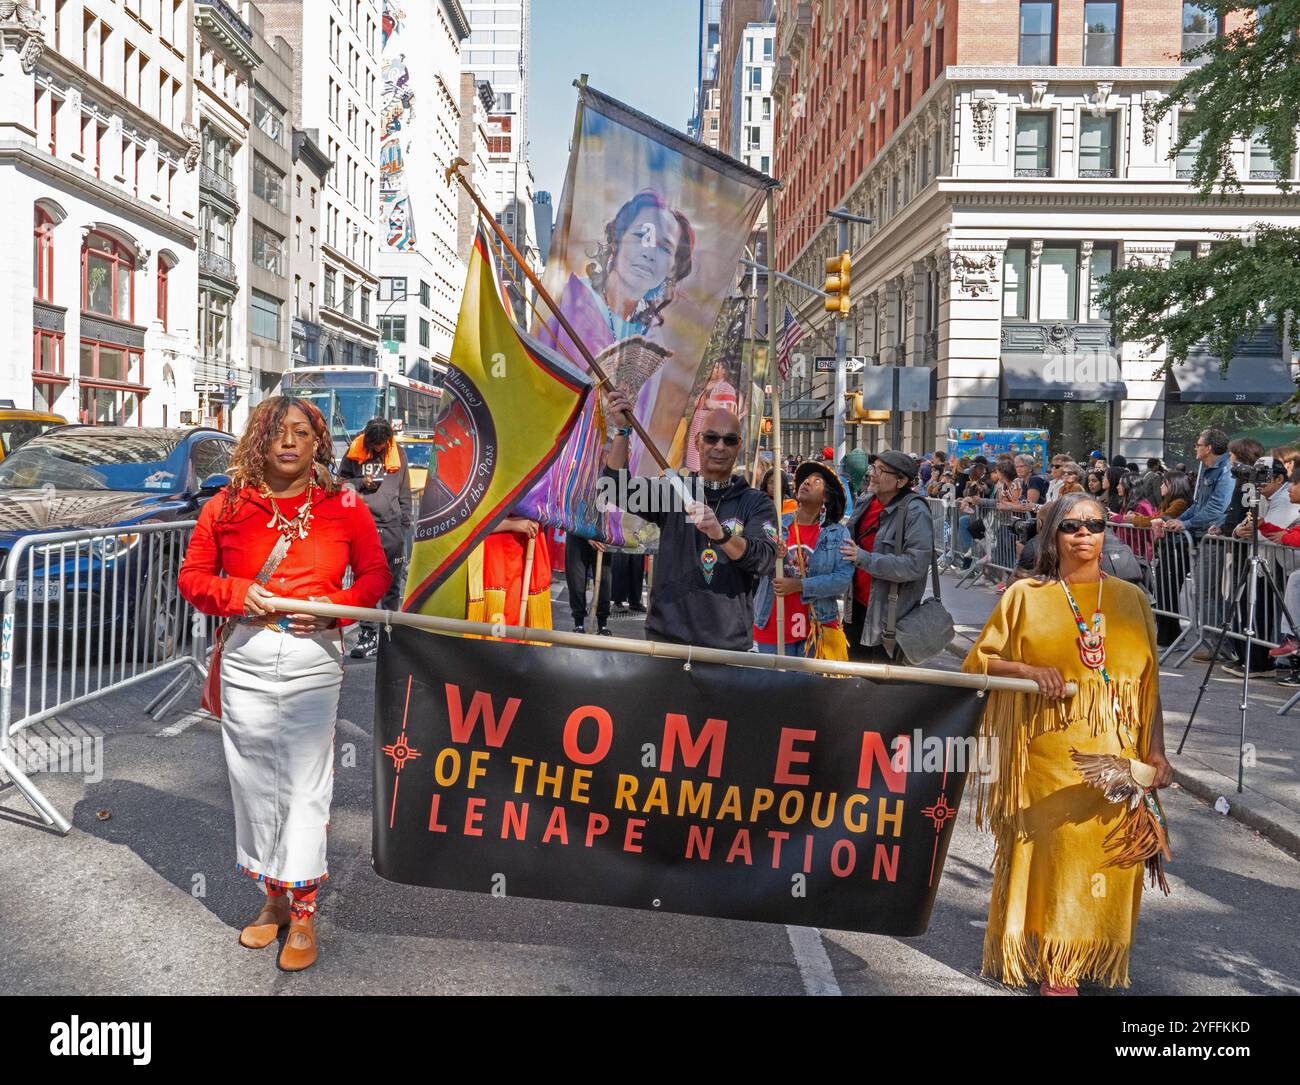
(91, 477)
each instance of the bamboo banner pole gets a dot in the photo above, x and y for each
(879, 672)
(595, 590)
(774, 375)
(529, 554)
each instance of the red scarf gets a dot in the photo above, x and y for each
(867, 528)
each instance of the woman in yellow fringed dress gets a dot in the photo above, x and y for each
(1060, 914)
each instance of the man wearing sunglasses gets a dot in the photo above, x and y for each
(712, 552)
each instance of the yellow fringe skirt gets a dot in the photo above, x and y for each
(1059, 914)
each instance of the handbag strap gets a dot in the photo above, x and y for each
(889, 638)
(273, 559)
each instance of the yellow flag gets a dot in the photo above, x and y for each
(508, 405)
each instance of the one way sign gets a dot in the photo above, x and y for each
(827, 365)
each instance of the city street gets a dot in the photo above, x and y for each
(142, 897)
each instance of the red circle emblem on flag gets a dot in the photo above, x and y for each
(466, 447)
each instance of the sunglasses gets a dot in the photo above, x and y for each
(731, 440)
(1072, 527)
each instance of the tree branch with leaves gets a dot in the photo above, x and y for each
(1247, 87)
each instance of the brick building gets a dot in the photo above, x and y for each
(1003, 151)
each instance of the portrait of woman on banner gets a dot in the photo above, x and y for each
(617, 308)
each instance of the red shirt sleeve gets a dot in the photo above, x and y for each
(200, 580)
(1291, 536)
(371, 576)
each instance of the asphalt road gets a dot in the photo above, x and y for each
(148, 901)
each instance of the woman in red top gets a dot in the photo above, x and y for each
(280, 674)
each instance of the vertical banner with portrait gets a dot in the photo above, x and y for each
(649, 231)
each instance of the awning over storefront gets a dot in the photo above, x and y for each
(1248, 379)
(1033, 377)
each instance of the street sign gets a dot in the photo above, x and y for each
(827, 365)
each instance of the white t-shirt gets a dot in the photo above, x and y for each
(1279, 510)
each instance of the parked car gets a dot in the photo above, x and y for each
(86, 477)
(18, 427)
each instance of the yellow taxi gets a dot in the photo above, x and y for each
(17, 427)
(422, 457)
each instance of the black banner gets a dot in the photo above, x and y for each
(608, 778)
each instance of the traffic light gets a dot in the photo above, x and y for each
(838, 271)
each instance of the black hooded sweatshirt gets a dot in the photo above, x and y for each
(696, 599)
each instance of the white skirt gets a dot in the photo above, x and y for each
(279, 701)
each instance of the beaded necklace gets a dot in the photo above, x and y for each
(1092, 649)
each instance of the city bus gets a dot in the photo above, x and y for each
(349, 396)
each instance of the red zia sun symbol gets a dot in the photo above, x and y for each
(940, 813)
(401, 752)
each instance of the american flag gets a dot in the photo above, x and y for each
(791, 333)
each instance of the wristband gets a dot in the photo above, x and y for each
(623, 431)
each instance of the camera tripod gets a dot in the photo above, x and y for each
(1246, 582)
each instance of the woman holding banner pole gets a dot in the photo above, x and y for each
(1063, 910)
(274, 678)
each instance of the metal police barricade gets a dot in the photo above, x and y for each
(941, 513)
(86, 614)
(993, 542)
(1167, 564)
(1224, 564)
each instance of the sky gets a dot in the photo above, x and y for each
(643, 53)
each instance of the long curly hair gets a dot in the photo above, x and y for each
(248, 463)
(649, 308)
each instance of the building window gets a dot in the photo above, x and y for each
(755, 79)
(424, 332)
(329, 288)
(268, 250)
(107, 278)
(1097, 145)
(43, 258)
(1262, 166)
(1015, 283)
(1186, 160)
(214, 325)
(1037, 32)
(365, 306)
(769, 44)
(1058, 283)
(1200, 25)
(767, 108)
(425, 296)
(163, 272)
(393, 328)
(1101, 23)
(1033, 144)
(102, 406)
(269, 183)
(392, 289)
(1103, 263)
(264, 316)
(268, 116)
(47, 356)
(110, 362)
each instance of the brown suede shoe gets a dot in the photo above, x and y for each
(263, 930)
(299, 950)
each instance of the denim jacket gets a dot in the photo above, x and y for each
(1213, 495)
(829, 576)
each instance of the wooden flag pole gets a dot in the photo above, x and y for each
(595, 591)
(774, 375)
(529, 554)
(601, 377)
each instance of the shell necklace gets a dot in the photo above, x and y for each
(300, 525)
